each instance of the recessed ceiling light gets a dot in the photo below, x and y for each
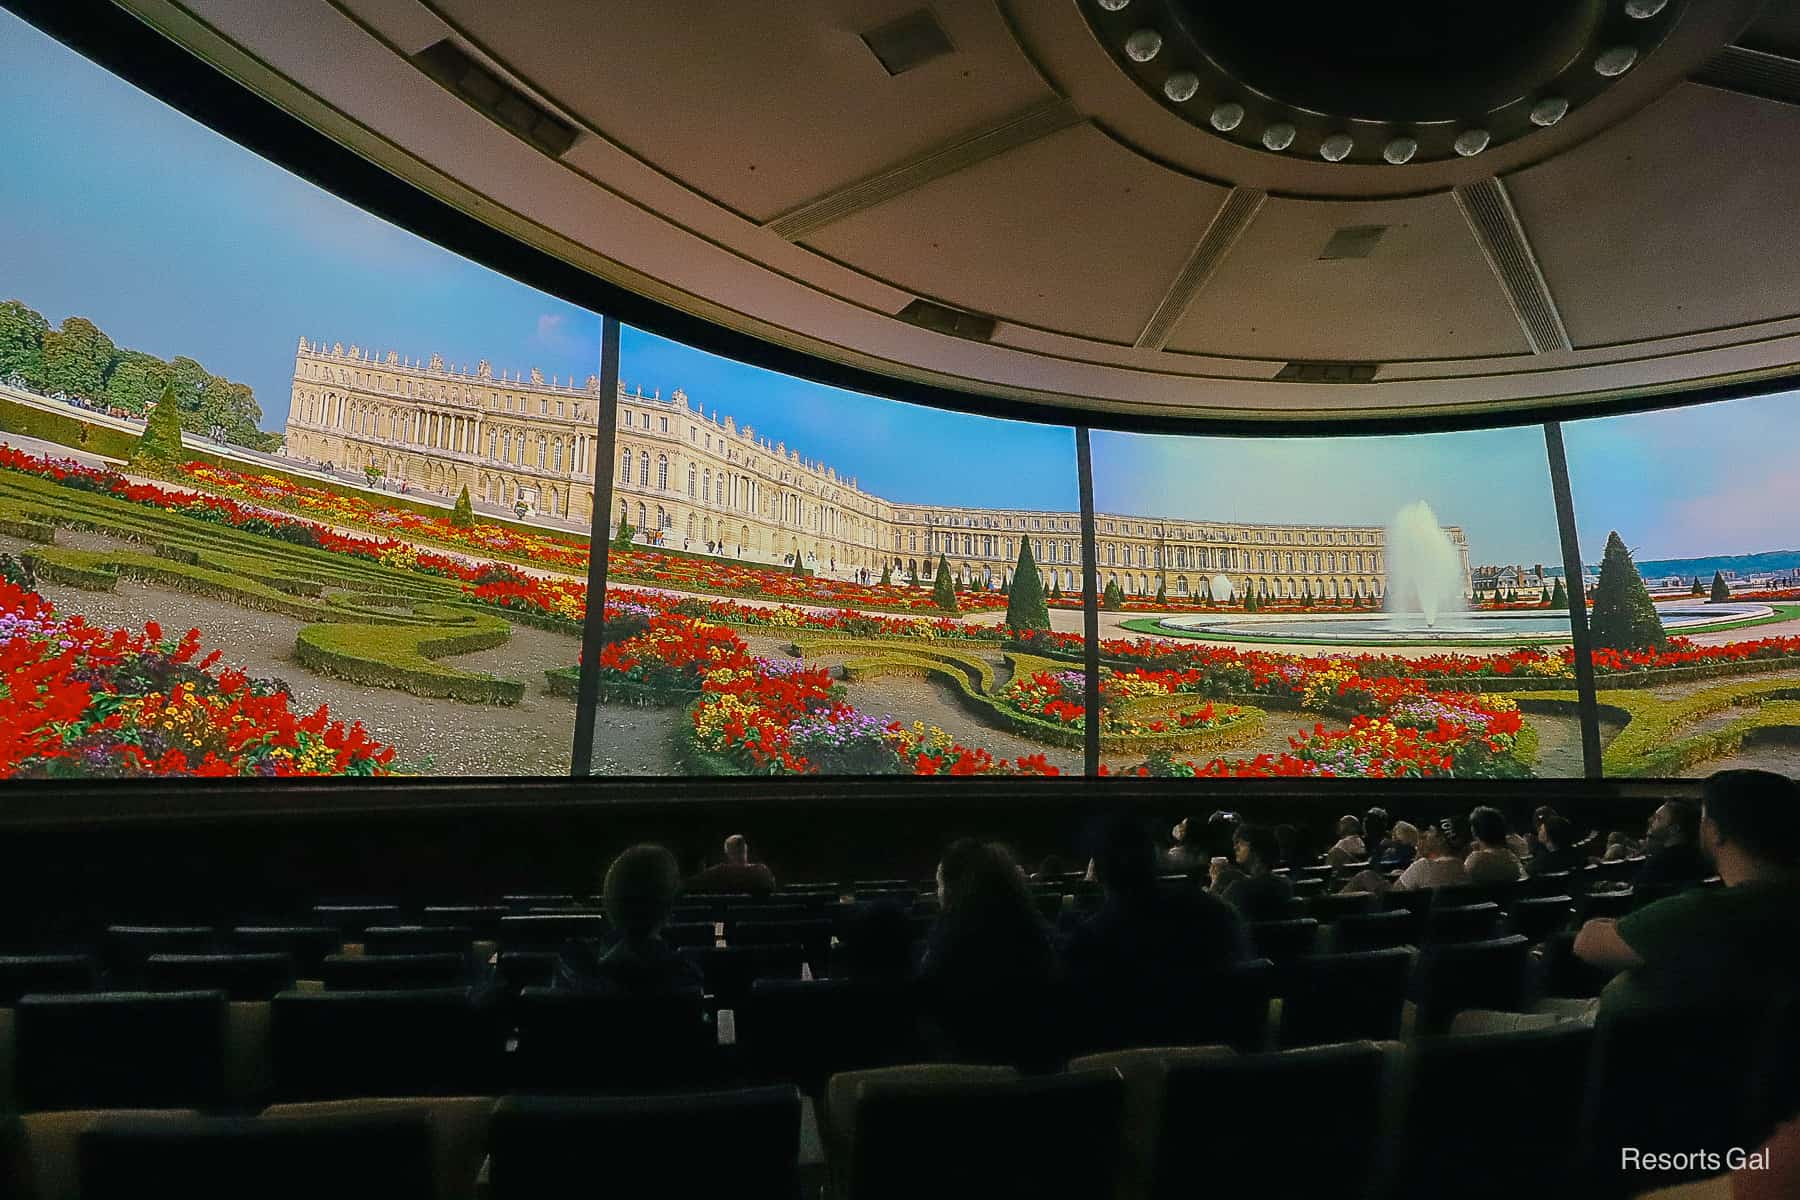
(1227, 116)
(1143, 45)
(1549, 111)
(1616, 61)
(1471, 142)
(1181, 86)
(1278, 136)
(1337, 147)
(1400, 150)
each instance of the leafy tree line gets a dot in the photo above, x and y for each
(78, 359)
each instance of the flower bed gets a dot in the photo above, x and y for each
(82, 701)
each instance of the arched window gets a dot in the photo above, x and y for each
(625, 465)
(691, 486)
(719, 490)
(644, 469)
(690, 532)
(662, 517)
(706, 485)
(662, 472)
(643, 517)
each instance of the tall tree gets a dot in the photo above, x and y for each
(77, 357)
(1025, 605)
(1721, 591)
(137, 381)
(1624, 616)
(1559, 597)
(1112, 599)
(462, 515)
(22, 333)
(887, 575)
(1162, 591)
(943, 588)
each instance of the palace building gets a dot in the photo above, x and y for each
(686, 479)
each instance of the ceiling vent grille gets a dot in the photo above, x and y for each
(941, 319)
(912, 41)
(1328, 372)
(1353, 241)
(1490, 214)
(482, 90)
(1755, 73)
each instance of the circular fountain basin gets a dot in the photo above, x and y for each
(1412, 628)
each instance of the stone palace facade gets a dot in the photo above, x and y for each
(703, 483)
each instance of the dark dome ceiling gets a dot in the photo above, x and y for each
(1166, 207)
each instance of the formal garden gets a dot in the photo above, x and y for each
(443, 644)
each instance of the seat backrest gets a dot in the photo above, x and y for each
(735, 1143)
(308, 944)
(366, 972)
(1605, 904)
(127, 946)
(988, 1138)
(805, 1031)
(351, 919)
(22, 974)
(417, 939)
(547, 932)
(526, 968)
(1232, 1008)
(1453, 976)
(1246, 1106)
(730, 970)
(1326, 909)
(1462, 1095)
(377, 1156)
(1462, 922)
(520, 902)
(243, 977)
(1672, 1077)
(1538, 917)
(481, 919)
(1344, 997)
(813, 935)
(120, 1050)
(1376, 930)
(690, 933)
(1282, 940)
(429, 1042)
(600, 1042)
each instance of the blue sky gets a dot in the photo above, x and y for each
(176, 241)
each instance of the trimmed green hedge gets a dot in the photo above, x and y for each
(384, 656)
(66, 430)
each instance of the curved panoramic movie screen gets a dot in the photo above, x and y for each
(285, 490)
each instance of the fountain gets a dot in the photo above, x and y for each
(1222, 591)
(1425, 576)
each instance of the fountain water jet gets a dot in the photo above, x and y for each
(1424, 570)
(1221, 588)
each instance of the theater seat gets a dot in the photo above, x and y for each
(1280, 941)
(1566, 975)
(736, 1143)
(575, 1041)
(1261, 1139)
(1376, 931)
(417, 939)
(1144, 1071)
(812, 935)
(404, 972)
(961, 1133)
(40, 1153)
(128, 946)
(330, 1045)
(120, 1050)
(239, 976)
(1343, 997)
(1452, 976)
(482, 920)
(1538, 917)
(690, 933)
(1605, 905)
(730, 970)
(362, 1156)
(1462, 922)
(1327, 909)
(351, 919)
(805, 1031)
(1458, 1091)
(459, 1131)
(22, 974)
(547, 932)
(309, 945)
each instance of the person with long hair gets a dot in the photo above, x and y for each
(990, 981)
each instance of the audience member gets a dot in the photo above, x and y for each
(990, 976)
(1557, 850)
(1257, 894)
(1189, 854)
(1673, 848)
(1135, 963)
(1709, 946)
(1400, 848)
(736, 874)
(639, 891)
(1619, 845)
(1375, 829)
(1440, 859)
(1491, 858)
(1349, 847)
(1221, 832)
